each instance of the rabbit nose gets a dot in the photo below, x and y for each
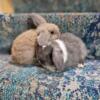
(44, 46)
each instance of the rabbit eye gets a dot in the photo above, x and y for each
(52, 32)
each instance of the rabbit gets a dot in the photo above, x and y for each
(44, 57)
(68, 50)
(24, 47)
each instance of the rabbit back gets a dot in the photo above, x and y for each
(75, 47)
(23, 50)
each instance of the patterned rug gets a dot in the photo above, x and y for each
(35, 83)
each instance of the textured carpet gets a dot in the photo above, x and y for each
(34, 83)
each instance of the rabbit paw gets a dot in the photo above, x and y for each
(50, 68)
(80, 65)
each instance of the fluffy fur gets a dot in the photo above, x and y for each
(25, 45)
(44, 57)
(23, 48)
(75, 52)
(63, 48)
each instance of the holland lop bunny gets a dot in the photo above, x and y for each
(44, 57)
(68, 50)
(25, 45)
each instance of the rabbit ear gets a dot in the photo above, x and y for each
(58, 60)
(34, 20)
(43, 39)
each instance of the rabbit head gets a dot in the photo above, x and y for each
(47, 32)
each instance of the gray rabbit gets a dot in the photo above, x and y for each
(44, 57)
(68, 50)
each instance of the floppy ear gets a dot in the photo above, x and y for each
(43, 38)
(34, 20)
(58, 59)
